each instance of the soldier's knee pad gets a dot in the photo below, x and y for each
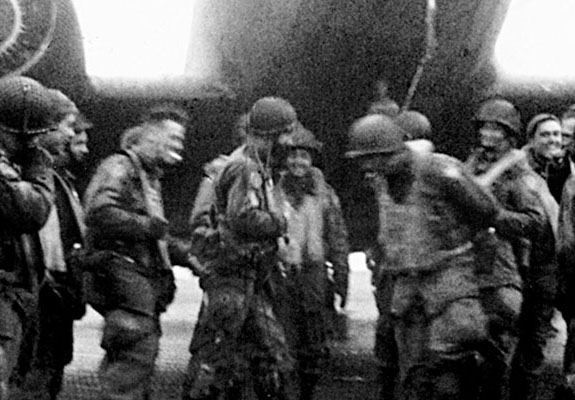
(123, 329)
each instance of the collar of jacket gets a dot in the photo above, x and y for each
(151, 168)
(539, 163)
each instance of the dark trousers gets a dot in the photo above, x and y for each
(11, 336)
(53, 349)
(535, 331)
(131, 342)
(237, 332)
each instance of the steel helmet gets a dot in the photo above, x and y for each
(26, 107)
(301, 138)
(271, 116)
(63, 104)
(500, 111)
(374, 134)
(415, 124)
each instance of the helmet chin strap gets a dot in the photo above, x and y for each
(264, 166)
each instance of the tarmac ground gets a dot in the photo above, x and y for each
(351, 374)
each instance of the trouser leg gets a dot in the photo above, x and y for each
(387, 377)
(567, 389)
(53, 352)
(11, 336)
(385, 348)
(271, 361)
(445, 357)
(536, 317)
(270, 383)
(4, 375)
(308, 382)
(503, 306)
(131, 347)
(217, 364)
(569, 357)
(386, 353)
(126, 374)
(312, 351)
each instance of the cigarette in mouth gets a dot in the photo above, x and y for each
(175, 156)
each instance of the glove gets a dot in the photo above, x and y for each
(205, 242)
(158, 227)
(179, 249)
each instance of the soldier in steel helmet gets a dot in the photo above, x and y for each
(317, 237)
(26, 112)
(415, 124)
(525, 234)
(61, 297)
(417, 137)
(432, 213)
(205, 237)
(237, 330)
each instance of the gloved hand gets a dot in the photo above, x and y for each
(179, 249)
(205, 241)
(158, 227)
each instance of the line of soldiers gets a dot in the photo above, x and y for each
(114, 251)
(56, 255)
(464, 265)
(472, 258)
(465, 262)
